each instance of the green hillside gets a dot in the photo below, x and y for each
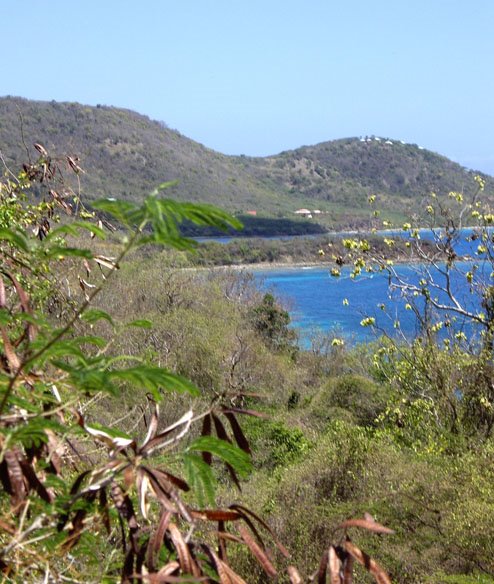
(341, 174)
(126, 154)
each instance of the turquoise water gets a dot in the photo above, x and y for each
(315, 300)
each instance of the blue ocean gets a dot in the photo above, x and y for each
(319, 302)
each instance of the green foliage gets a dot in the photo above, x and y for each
(297, 250)
(200, 478)
(439, 504)
(272, 324)
(120, 511)
(88, 469)
(49, 367)
(363, 399)
(286, 445)
(230, 454)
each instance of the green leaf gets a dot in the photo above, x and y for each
(94, 314)
(27, 404)
(61, 348)
(198, 213)
(141, 323)
(60, 252)
(91, 227)
(31, 318)
(15, 238)
(200, 478)
(155, 378)
(163, 216)
(204, 214)
(74, 229)
(163, 186)
(123, 211)
(88, 378)
(239, 460)
(162, 238)
(68, 348)
(67, 229)
(5, 316)
(33, 432)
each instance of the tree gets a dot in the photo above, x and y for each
(449, 362)
(272, 323)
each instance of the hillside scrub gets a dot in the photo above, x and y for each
(439, 506)
(320, 250)
(133, 401)
(94, 490)
(126, 154)
(411, 438)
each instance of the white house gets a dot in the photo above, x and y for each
(304, 213)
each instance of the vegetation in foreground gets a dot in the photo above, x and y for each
(84, 500)
(394, 435)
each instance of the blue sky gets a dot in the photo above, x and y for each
(261, 76)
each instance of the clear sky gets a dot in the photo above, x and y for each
(261, 76)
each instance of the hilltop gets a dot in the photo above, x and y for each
(126, 154)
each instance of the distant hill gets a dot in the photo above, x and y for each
(126, 154)
(341, 174)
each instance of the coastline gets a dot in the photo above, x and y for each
(269, 266)
(295, 253)
(260, 266)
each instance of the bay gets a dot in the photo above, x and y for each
(319, 302)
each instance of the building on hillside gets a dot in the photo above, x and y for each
(304, 213)
(251, 213)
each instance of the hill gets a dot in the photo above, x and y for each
(341, 174)
(126, 154)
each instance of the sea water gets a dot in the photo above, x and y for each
(318, 301)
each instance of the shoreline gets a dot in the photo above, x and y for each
(259, 266)
(307, 256)
(268, 266)
(301, 265)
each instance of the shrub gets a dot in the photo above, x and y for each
(82, 501)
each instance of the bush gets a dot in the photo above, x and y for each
(83, 501)
(352, 398)
(272, 323)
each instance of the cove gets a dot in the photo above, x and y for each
(318, 302)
